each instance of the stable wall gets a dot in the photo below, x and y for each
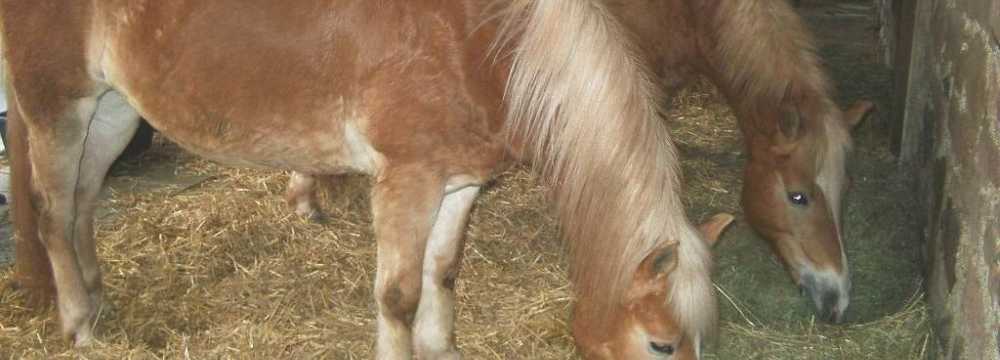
(946, 59)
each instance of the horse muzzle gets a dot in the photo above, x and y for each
(829, 291)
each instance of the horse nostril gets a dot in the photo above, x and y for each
(826, 297)
(828, 307)
(834, 317)
(828, 315)
(831, 315)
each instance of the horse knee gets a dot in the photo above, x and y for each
(52, 232)
(399, 299)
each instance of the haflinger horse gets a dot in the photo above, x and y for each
(762, 58)
(430, 98)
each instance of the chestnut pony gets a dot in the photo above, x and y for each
(762, 57)
(427, 96)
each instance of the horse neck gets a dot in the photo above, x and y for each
(666, 33)
(593, 129)
(763, 59)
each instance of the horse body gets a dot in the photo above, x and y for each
(407, 91)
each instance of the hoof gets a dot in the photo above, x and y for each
(317, 217)
(83, 339)
(82, 336)
(307, 211)
(77, 324)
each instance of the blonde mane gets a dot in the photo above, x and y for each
(784, 70)
(778, 66)
(589, 111)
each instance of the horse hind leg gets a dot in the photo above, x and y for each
(404, 206)
(434, 329)
(69, 154)
(301, 196)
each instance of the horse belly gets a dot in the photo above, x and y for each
(338, 145)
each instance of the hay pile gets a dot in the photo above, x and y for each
(901, 335)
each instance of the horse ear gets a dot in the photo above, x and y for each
(858, 112)
(790, 123)
(711, 229)
(789, 127)
(660, 261)
(651, 275)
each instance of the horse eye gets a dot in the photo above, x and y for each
(667, 349)
(798, 198)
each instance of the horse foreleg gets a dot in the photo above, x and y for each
(70, 154)
(32, 268)
(109, 133)
(301, 195)
(434, 329)
(404, 206)
(56, 144)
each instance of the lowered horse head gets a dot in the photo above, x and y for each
(763, 58)
(642, 327)
(793, 189)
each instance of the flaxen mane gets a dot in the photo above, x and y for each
(783, 70)
(588, 105)
(779, 61)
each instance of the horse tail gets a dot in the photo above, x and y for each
(32, 270)
(586, 109)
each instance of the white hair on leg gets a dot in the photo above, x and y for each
(435, 320)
